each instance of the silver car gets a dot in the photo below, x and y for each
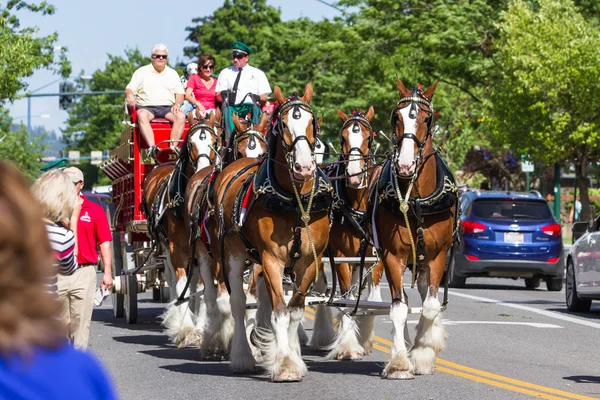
(583, 268)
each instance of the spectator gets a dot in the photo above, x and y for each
(78, 289)
(201, 88)
(36, 361)
(60, 208)
(575, 212)
(484, 185)
(190, 70)
(156, 91)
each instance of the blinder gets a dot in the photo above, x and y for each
(416, 102)
(204, 129)
(295, 104)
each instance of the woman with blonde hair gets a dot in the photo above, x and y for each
(36, 360)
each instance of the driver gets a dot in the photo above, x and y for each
(242, 83)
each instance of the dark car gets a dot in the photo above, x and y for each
(583, 268)
(508, 235)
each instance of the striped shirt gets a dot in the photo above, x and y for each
(62, 242)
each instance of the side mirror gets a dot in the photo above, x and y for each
(579, 229)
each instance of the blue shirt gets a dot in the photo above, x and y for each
(64, 373)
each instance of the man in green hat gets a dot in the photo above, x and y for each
(246, 87)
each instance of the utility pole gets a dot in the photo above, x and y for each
(557, 192)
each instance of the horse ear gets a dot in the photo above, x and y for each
(218, 114)
(264, 118)
(342, 115)
(212, 119)
(430, 91)
(370, 114)
(308, 93)
(320, 121)
(278, 95)
(236, 122)
(401, 89)
(190, 118)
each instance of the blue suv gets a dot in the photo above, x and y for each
(508, 235)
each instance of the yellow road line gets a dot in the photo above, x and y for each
(469, 373)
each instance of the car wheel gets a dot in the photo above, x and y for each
(574, 303)
(554, 284)
(532, 283)
(454, 280)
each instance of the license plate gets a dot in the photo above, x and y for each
(513, 237)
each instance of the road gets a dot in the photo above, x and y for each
(504, 342)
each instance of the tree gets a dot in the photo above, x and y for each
(22, 51)
(545, 97)
(14, 146)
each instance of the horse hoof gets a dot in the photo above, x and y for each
(192, 340)
(288, 376)
(427, 372)
(349, 356)
(399, 375)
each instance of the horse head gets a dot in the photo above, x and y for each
(249, 140)
(203, 141)
(411, 122)
(297, 128)
(356, 137)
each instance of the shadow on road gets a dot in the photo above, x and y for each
(148, 319)
(583, 379)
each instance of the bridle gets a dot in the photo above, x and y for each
(357, 120)
(204, 129)
(253, 137)
(294, 104)
(416, 102)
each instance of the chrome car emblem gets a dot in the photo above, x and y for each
(514, 227)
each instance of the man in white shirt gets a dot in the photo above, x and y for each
(156, 91)
(245, 84)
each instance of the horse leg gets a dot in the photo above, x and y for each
(177, 320)
(366, 323)
(283, 363)
(197, 306)
(212, 348)
(186, 334)
(345, 345)
(323, 332)
(399, 366)
(241, 355)
(430, 339)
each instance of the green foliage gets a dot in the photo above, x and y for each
(542, 96)
(22, 51)
(14, 146)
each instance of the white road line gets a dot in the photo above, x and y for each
(450, 323)
(550, 314)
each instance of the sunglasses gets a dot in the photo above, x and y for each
(238, 55)
(162, 56)
(208, 67)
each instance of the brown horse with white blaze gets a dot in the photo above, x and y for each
(248, 142)
(351, 175)
(168, 229)
(413, 221)
(275, 214)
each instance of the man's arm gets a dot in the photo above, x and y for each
(263, 99)
(106, 256)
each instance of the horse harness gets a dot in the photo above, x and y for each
(260, 186)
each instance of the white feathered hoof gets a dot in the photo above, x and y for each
(185, 337)
(368, 346)
(288, 372)
(423, 360)
(243, 365)
(399, 368)
(348, 356)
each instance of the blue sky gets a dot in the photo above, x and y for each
(92, 29)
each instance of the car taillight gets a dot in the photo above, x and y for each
(553, 259)
(471, 257)
(551, 230)
(472, 227)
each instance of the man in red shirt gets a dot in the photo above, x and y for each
(78, 289)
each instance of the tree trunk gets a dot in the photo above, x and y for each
(582, 180)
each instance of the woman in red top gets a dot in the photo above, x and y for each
(200, 89)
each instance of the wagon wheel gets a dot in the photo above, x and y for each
(130, 300)
(117, 264)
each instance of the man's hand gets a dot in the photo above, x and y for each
(130, 100)
(175, 109)
(107, 280)
(200, 107)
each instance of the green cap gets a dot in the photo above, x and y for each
(60, 163)
(241, 47)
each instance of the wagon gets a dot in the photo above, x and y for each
(136, 267)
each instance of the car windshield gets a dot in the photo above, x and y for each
(510, 209)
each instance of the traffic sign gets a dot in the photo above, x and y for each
(96, 157)
(527, 166)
